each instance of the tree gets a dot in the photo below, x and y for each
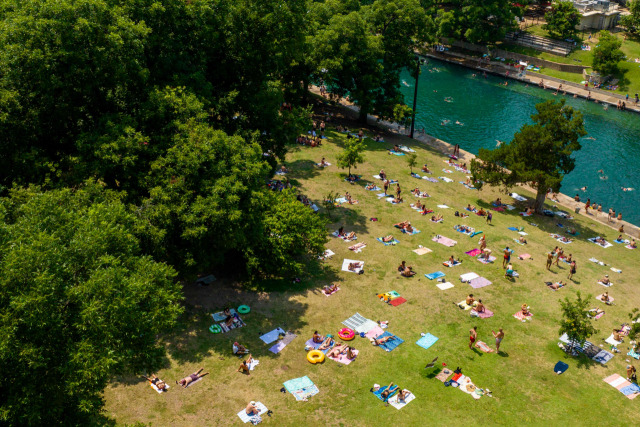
(632, 20)
(562, 20)
(576, 322)
(351, 154)
(540, 154)
(607, 53)
(478, 21)
(79, 304)
(412, 161)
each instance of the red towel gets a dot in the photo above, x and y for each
(396, 302)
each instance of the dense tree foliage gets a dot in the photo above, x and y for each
(562, 20)
(478, 21)
(80, 302)
(576, 322)
(607, 53)
(351, 155)
(632, 20)
(540, 154)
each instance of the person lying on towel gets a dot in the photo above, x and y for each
(160, 385)
(378, 341)
(353, 266)
(453, 261)
(327, 343)
(522, 240)
(317, 338)
(595, 311)
(605, 280)
(408, 272)
(388, 238)
(425, 210)
(388, 392)
(330, 289)
(349, 352)
(397, 199)
(436, 218)
(191, 378)
(605, 298)
(370, 186)
(403, 394)
(231, 318)
(337, 350)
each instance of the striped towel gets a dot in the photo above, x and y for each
(234, 325)
(354, 321)
(623, 386)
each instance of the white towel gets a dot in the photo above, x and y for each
(346, 262)
(246, 418)
(444, 286)
(468, 277)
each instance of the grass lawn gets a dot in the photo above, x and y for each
(524, 386)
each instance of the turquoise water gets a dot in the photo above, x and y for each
(490, 111)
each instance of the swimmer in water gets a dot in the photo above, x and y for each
(435, 91)
(591, 138)
(444, 122)
(627, 189)
(584, 188)
(459, 123)
(499, 143)
(601, 171)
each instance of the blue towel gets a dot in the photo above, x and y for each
(391, 243)
(298, 384)
(560, 367)
(427, 341)
(397, 153)
(513, 229)
(476, 232)
(391, 344)
(633, 354)
(619, 241)
(435, 275)
(378, 393)
(630, 389)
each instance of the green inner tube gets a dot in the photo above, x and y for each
(215, 329)
(244, 309)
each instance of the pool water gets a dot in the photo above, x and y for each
(489, 112)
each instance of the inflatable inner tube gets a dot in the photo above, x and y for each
(243, 309)
(346, 334)
(315, 356)
(215, 329)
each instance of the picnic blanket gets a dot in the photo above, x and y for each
(623, 386)
(271, 336)
(485, 314)
(468, 387)
(346, 262)
(444, 374)
(479, 282)
(397, 403)
(467, 277)
(427, 341)
(312, 344)
(483, 347)
(247, 418)
(390, 243)
(588, 349)
(288, 337)
(612, 341)
(524, 256)
(435, 275)
(422, 251)
(375, 332)
(359, 323)
(451, 264)
(397, 301)
(431, 179)
(445, 179)
(391, 344)
(463, 305)
(327, 254)
(237, 323)
(219, 316)
(487, 261)
(302, 388)
(474, 252)
(518, 197)
(444, 286)
(342, 358)
(522, 317)
(444, 241)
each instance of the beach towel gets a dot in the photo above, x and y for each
(443, 206)
(513, 228)
(391, 344)
(427, 341)
(422, 251)
(397, 301)
(367, 326)
(415, 231)
(487, 261)
(450, 264)
(606, 285)
(518, 197)
(219, 316)
(381, 195)
(445, 179)
(629, 247)
(391, 243)
(444, 241)
(444, 374)
(468, 387)
(301, 388)
(479, 282)
(271, 336)
(463, 305)
(390, 200)
(374, 332)
(474, 252)
(346, 262)
(605, 245)
(354, 321)
(431, 179)
(620, 384)
(484, 347)
(397, 153)
(358, 247)
(407, 149)
(485, 314)
(376, 188)
(327, 254)
(342, 358)
(444, 286)
(247, 418)
(237, 323)
(524, 256)
(289, 336)
(633, 354)
(378, 393)
(599, 298)
(327, 294)
(612, 341)
(616, 270)
(398, 404)
(312, 344)
(525, 214)
(435, 275)
(468, 277)
(560, 368)
(153, 386)
(468, 233)
(446, 171)
(522, 317)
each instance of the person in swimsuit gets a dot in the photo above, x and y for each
(160, 385)
(550, 261)
(191, 378)
(388, 391)
(631, 373)
(317, 338)
(378, 341)
(470, 300)
(499, 336)
(251, 409)
(473, 334)
(403, 394)
(244, 366)
(507, 257)
(239, 348)
(572, 269)
(479, 307)
(328, 343)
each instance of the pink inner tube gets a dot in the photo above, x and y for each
(346, 333)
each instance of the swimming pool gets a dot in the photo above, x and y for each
(489, 112)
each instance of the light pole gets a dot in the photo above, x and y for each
(419, 61)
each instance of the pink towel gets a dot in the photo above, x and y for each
(474, 252)
(521, 316)
(479, 282)
(485, 314)
(524, 256)
(343, 358)
(445, 241)
(375, 332)
(484, 347)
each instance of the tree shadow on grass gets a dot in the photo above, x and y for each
(302, 169)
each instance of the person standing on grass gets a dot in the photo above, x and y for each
(549, 260)
(572, 270)
(483, 243)
(489, 217)
(398, 190)
(507, 257)
(386, 186)
(473, 334)
(499, 336)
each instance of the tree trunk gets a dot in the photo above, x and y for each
(540, 197)
(364, 112)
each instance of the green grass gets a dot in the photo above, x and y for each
(526, 390)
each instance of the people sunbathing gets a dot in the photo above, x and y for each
(605, 280)
(425, 210)
(408, 272)
(284, 169)
(387, 239)
(415, 191)
(349, 352)
(461, 214)
(378, 341)
(481, 212)
(498, 202)
(337, 350)
(403, 394)
(239, 349)
(469, 300)
(402, 266)
(436, 218)
(425, 169)
(330, 289)
(327, 343)
(479, 307)
(231, 319)
(522, 240)
(350, 236)
(605, 298)
(317, 338)
(595, 311)
(245, 366)
(160, 385)
(397, 199)
(471, 208)
(617, 336)
(633, 244)
(453, 261)
(418, 205)
(464, 229)
(323, 162)
(353, 266)
(382, 174)
(191, 378)
(388, 392)
(370, 186)
(525, 310)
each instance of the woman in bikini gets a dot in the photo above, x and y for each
(244, 366)
(388, 391)
(317, 338)
(378, 341)
(328, 343)
(160, 385)
(499, 336)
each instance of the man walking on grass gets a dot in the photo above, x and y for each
(499, 336)
(473, 334)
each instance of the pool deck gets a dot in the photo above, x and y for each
(350, 110)
(550, 83)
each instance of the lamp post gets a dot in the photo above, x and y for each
(419, 61)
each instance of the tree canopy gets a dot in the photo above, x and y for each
(562, 20)
(478, 21)
(540, 154)
(575, 321)
(351, 155)
(632, 20)
(607, 53)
